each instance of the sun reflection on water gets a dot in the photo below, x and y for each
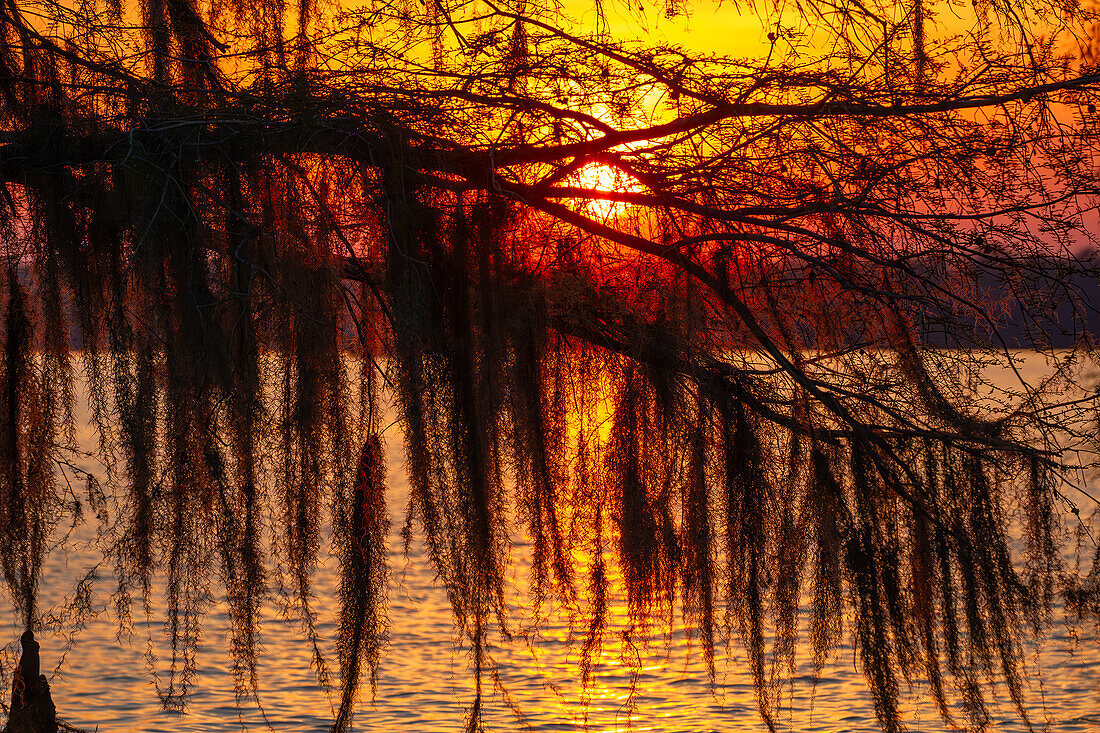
(642, 676)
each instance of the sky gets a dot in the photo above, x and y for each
(707, 26)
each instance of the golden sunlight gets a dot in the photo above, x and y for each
(587, 365)
(601, 183)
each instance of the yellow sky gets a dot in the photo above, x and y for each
(740, 29)
(705, 26)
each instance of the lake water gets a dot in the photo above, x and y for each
(107, 683)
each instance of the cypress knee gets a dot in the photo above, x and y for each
(32, 709)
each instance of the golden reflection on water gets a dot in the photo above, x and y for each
(642, 677)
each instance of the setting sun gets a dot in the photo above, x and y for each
(601, 180)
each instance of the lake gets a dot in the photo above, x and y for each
(655, 680)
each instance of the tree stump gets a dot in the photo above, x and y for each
(32, 709)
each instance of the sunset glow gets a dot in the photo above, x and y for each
(604, 179)
(464, 365)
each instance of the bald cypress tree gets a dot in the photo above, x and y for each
(243, 228)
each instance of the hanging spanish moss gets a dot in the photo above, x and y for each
(755, 402)
(719, 486)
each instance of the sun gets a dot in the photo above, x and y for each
(597, 177)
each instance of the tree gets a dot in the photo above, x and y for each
(783, 273)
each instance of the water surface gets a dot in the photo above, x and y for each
(651, 680)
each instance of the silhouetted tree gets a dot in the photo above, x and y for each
(259, 222)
